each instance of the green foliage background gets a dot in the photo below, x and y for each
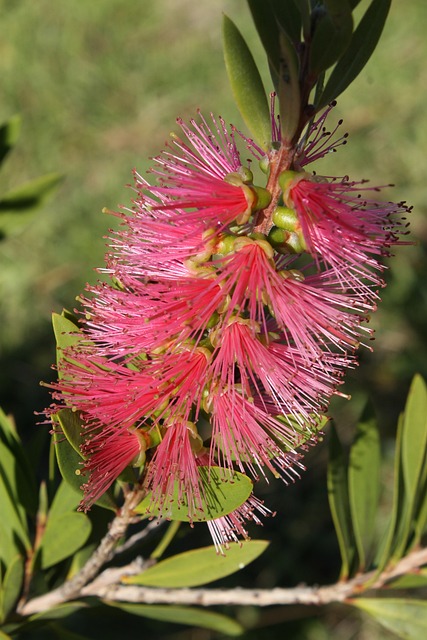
(99, 85)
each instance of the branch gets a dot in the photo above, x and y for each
(72, 589)
(107, 587)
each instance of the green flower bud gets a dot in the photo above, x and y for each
(285, 218)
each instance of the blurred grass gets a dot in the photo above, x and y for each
(99, 85)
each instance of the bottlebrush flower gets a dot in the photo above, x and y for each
(216, 344)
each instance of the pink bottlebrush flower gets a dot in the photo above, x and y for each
(108, 453)
(342, 229)
(172, 474)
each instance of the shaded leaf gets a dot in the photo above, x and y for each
(246, 84)
(9, 134)
(410, 581)
(61, 611)
(414, 436)
(63, 536)
(362, 45)
(223, 493)
(70, 464)
(332, 34)
(65, 500)
(67, 334)
(199, 566)
(12, 585)
(71, 426)
(15, 484)
(19, 472)
(405, 617)
(288, 17)
(29, 195)
(384, 552)
(339, 502)
(183, 615)
(364, 484)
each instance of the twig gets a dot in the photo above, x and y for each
(110, 589)
(72, 589)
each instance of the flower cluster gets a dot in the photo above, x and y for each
(232, 313)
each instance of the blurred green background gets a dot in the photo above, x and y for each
(98, 86)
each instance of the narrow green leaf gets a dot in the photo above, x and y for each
(246, 84)
(200, 566)
(183, 615)
(364, 484)
(61, 611)
(288, 18)
(223, 494)
(414, 437)
(16, 484)
(268, 31)
(410, 581)
(70, 464)
(9, 134)
(14, 528)
(64, 535)
(4, 636)
(406, 618)
(339, 503)
(66, 500)
(332, 35)
(12, 584)
(71, 426)
(362, 45)
(31, 194)
(414, 432)
(384, 552)
(67, 334)
(24, 480)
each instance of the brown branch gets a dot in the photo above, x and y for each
(72, 589)
(107, 586)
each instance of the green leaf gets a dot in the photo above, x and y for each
(339, 503)
(72, 427)
(61, 611)
(64, 535)
(16, 485)
(246, 84)
(362, 45)
(266, 24)
(406, 618)
(413, 453)
(31, 194)
(67, 334)
(70, 466)
(183, 615)
(414, 437)
(223, 493)
(364, 484)
(384, 552)
(200, 566)
(4, 636)
(19, 473)
(9, 134)
(332, 35)
(65, 500)
(288, 17)
(410, 581)
(12, 585)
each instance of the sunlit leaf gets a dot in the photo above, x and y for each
(246, 84)
(364, 484)
(12, 584)
(223, 494)
(9, 134)
(339, 502)
(360, 49)
(183, 615)
(199, 566)
(71, 426)
(405, 617)
(64, 535)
